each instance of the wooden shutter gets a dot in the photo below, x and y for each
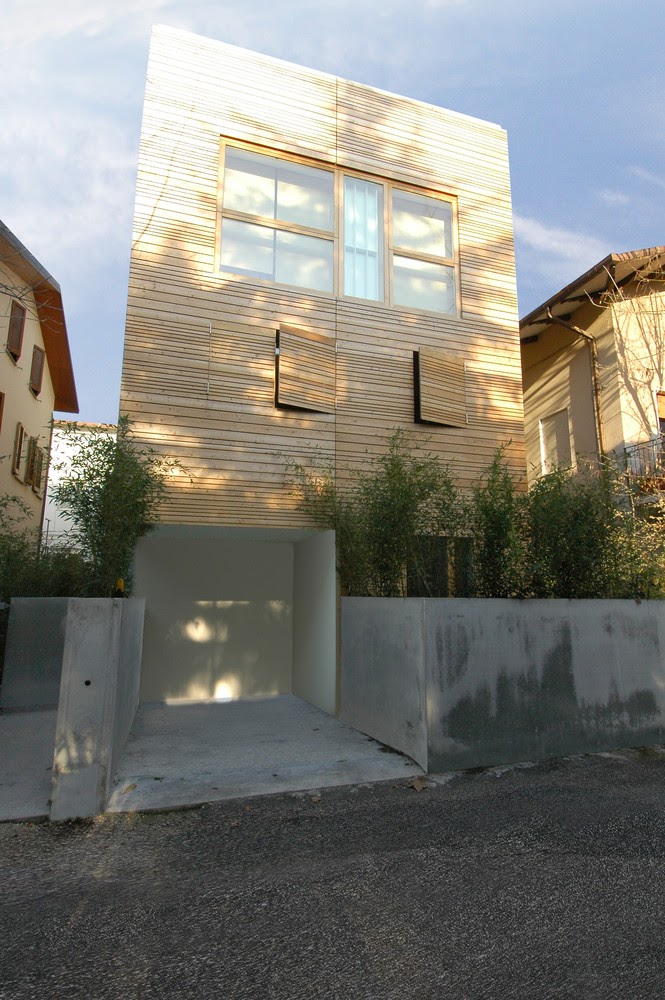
(19, 440)
(2, 407)
(16, 325)
(30, 461)
(439, 388)
(37, 370)
(38, 469)
(660, 399)
(305, 371)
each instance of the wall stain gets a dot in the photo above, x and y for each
(547, 708)
(453, 653)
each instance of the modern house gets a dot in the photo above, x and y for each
(315, 263)
(593, 363)
(36, 375)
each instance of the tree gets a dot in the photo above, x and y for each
(110, 492)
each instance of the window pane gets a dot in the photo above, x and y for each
(304, 261)
(422, 224)
(423, 285)
(363, 239)
(304, 196)
(248, 249)
(249, 183)
(278, 189)
(292, 259)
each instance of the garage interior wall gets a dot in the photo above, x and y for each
(220, 611)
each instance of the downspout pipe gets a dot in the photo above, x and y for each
(593, 353)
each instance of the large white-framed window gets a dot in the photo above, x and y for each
(423, 252)
(336, 231)
(277, 220)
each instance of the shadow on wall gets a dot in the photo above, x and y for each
(225, 650)
(526, 707)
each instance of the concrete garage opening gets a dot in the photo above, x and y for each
(239, 672)
(234, 613)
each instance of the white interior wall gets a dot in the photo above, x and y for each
(218, 617)
(315, 621)
(237, 613)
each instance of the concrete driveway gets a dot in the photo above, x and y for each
(184, 754)
(189, 753)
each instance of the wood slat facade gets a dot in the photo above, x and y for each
(199, 366)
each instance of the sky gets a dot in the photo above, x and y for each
(577, 84)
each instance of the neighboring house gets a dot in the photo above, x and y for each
(36, 375)
(315, 263)
(593, 365)
(64, 442)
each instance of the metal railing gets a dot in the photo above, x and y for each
(646, 459)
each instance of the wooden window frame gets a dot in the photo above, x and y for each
(38, 470)
(28, 478)
(17, 316)
(336, 236)
(17, 455)
(37, 369)
(548, 419)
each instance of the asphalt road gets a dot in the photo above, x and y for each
(534, 882)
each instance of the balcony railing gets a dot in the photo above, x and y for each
(646, 459)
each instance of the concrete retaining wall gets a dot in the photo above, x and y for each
(466, 683)
(33, 652)
(99, 687)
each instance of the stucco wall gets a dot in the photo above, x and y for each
(501, 681)
(20, 405)
(557, 375)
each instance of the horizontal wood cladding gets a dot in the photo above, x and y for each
(199, 363)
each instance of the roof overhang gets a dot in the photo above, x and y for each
(51, 315)
(607, 276)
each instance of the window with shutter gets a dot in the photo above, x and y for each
(38, 470)
(439, 388)
(15, 334)
(19, 444)
(304, 371)
(30, 461)
(37, 370)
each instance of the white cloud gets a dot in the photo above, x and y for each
(559, 254)
(648, 176)
(613, 199)
(30, 22)
(70, 189)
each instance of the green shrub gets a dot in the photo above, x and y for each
(497, 519)
(382, 518)
(111, 495)
(403, 528)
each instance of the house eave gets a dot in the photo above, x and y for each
(51, 315)
(610, 272)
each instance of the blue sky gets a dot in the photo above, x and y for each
(577, 85)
